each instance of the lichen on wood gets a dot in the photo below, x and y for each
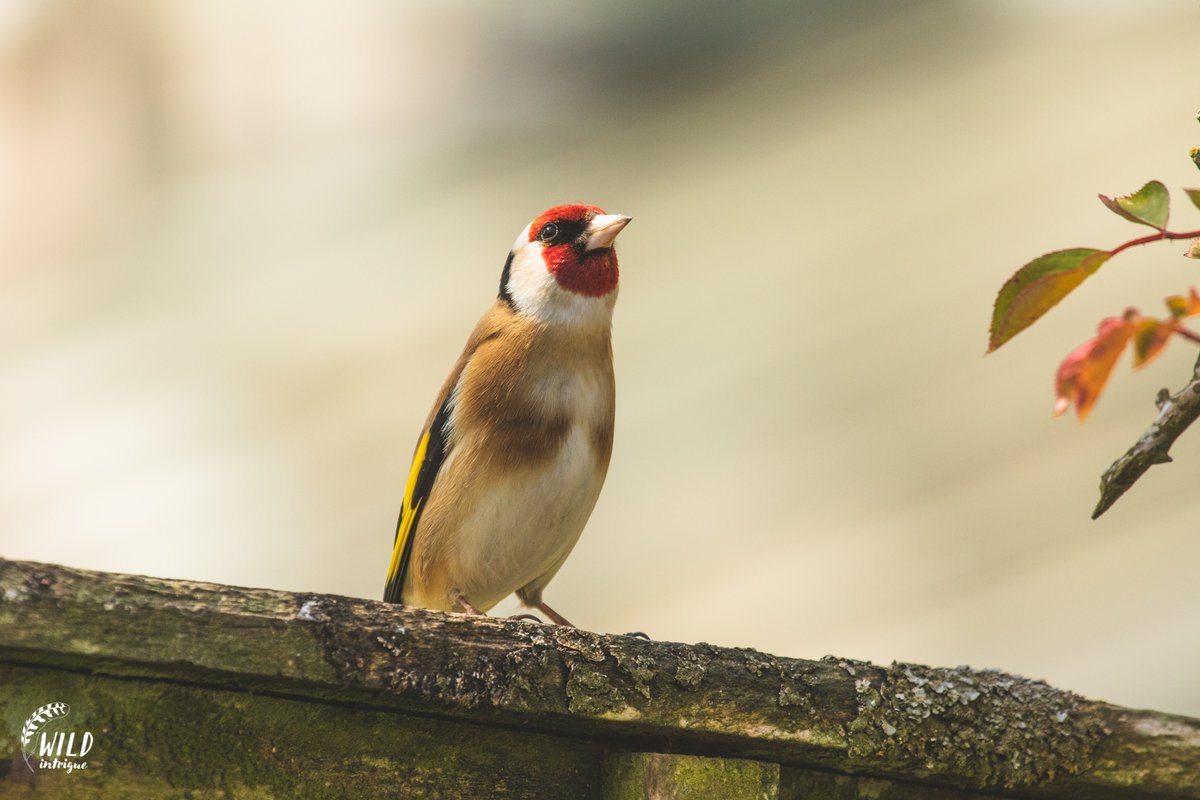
(1005, 730)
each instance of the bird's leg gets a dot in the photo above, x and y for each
(466, 607)
(533, 617)
(555, 617)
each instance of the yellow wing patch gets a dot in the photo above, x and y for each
(435, 443)
(408, 514)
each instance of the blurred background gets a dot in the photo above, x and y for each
(241, 246)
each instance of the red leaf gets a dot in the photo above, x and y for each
(1082, 375)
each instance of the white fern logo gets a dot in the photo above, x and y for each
(37, 720)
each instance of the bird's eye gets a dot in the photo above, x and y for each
(548, 232)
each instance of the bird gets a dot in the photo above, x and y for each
(515, 450)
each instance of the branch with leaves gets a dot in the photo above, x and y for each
(1042, 283)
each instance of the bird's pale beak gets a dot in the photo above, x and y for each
(603, 229)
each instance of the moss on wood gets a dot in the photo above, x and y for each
(651, 776)
(159, 739)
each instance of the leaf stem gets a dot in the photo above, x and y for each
(1154, 237)
(1185, 333)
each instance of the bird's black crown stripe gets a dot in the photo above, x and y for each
(505, 294)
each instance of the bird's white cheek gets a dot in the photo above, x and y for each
(536, 293)
(529, 282)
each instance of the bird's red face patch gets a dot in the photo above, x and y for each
(561, 230)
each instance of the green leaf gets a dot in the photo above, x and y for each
(1149, 205)
(1037, 287)
(1194, 195)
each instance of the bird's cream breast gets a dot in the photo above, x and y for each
(531, 436)
(579, 394)
(527, 388)
(542, 455)
(523, 522)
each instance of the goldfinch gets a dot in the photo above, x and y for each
(515, 450)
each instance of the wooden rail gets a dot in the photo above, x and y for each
(202, 691)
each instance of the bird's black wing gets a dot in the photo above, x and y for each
(431, 452)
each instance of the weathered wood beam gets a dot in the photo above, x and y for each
(499, 690)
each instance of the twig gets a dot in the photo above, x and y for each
(1154, 237)
(1175, 414)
